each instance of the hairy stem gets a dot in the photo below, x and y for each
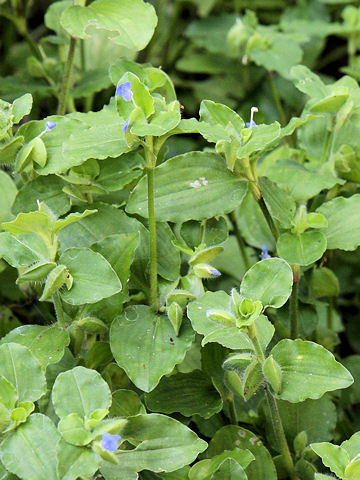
(58, 310)
(232, 411)
(268, 218)
(277, 100)
(280, 434)
(274, 411)
(150, 166)
(294, 311)
(330, 314)
(240, 241)
(66, 79)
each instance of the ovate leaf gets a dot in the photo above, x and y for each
(269, 281)
(198, 181)
(343, 216)
(302, 249)
(94, 278)
(187, 393)
(130, 23)
(162, 444)
(144, 345)
(47, 344)
(308, 370)
(89, 392)
(36, 440)
(19, 366)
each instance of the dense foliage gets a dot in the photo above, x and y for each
(179, 225)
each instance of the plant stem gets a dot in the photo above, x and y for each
(33, 47)
(66, 79)
(232, 411)
(240, 241)
(268, 219)
(294, 312)
(58, 310)
(277, 100)
(274, 411)
(280, 434)
(150, 167)
(329, 314)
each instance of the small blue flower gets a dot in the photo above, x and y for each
(124, 90)
(264, 253)
(109, 442)
(50, 125)
(125, 126)
(251, 124)
(214, 271)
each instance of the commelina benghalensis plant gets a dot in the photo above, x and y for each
(179, 288)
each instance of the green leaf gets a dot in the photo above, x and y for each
(203, 469)
(8, 394)
(308, 82)
(343, 216)
(79, 137)
(126, 403)
(215, 331)
(141, 344)
(300, 182)
(47, 344)
(33, 222)
(302, 249)
(9, 150)
(317, 418)
(220, 115)
(262, 136)
(352, 446)
(272, 372)
(324, 283)
(230, 437)
(94, 278)
(74, 462)
(132, 21)
(117, 173)
(229, 470)
(352, 471)
(274, 57)
(45, 189)
(89, 393)
(21, 107)
(161, 444)
(73, 430)
(308, 370)
(71, 218)
(8, 193)
(20, 367)
(252, 224)
(37, 441)
(269, 281)
(199, 181)
(21, 252)
(187, 393)
(281, 206)
(333, 456)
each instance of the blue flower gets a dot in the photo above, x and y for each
(264, 253)
(124, 90)
(252, 122)
(214, 271)
(109, 442)
(50, 125)
(125, 126)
